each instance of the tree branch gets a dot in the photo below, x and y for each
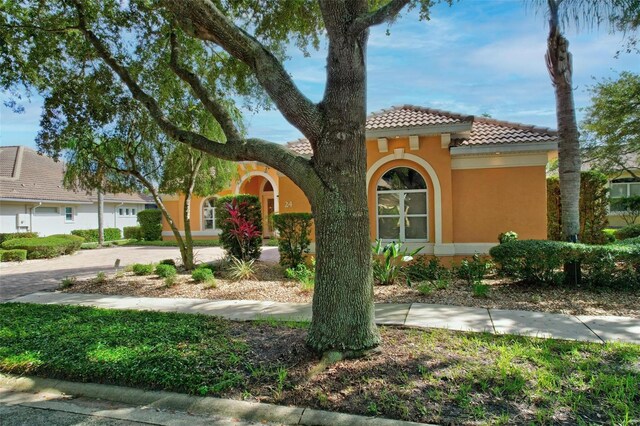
(383, 14)
(295, 167)
(215, 108)
(203, 20)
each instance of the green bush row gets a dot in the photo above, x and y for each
(614, 265)
(15, 255)
(91, 235)
(629, 231)
(46, 247)
(150, 224)
(132, 232)
(6, 236)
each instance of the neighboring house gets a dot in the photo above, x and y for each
(32, 198)
(623, 184)
(443, 181)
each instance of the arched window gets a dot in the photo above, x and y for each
(209, 214)
(402, 205)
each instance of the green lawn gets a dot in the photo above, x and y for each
(430, 376)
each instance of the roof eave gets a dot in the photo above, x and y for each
(34, 200)
(500, 148)
(436, 129)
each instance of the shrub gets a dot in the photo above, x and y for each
(150, 221)
(170, 281)
(629, 231)
(480, 290)
(293, 237)
(132, 232)
(91, 235)
(101, 278)
(304, 275)
(142, 268)
(240, 219)
(505, 237)
(166, 271)
(429, 271)
(201, 275)
(67, 282)
(89, 246)
(610, 235)
(425, 288)
(615, 265)
(594, 202)
(241, 269)
(168, 262)
(13, 235)
(474, 270)
(15, 255)
(388, 261)
(45, 247)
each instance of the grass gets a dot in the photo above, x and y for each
(435, 376)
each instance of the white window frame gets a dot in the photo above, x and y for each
(205, 205)
(627, 193)
(73, 214)
(402, 215)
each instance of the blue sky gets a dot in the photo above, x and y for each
(477, 56)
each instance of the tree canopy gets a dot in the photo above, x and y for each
(612, 124)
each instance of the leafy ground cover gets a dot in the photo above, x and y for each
(270, 283)
(430, 376)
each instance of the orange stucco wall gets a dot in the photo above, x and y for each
(490, 201)
(476, 204)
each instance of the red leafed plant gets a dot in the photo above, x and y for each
(243, 230)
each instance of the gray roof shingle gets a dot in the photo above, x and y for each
(27, 175)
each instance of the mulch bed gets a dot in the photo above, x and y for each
(269, 284)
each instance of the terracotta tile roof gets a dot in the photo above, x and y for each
(26, 175)
(484, 131)
(301, 147)
(411, 116)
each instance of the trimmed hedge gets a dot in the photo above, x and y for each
(293, 237)
(13, 235)
(142, 268)
(92, 235)
(132, 232)
(166, 271)
(46, 247)
(249, 206)
(15, 255)
(615, 265)
(629, 231)
(150, 224)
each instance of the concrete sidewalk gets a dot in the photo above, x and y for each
(421, 315)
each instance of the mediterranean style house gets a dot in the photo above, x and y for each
(447, 182)
(624, 183)
(33, 199)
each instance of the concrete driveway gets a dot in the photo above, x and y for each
(18, 279)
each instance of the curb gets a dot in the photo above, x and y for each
(203, 406)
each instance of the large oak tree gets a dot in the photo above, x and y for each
(215, 50)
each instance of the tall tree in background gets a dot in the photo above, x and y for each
(562, 13)
(127, 153)
(612, 125)
(210, 51)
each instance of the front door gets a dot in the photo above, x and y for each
(268, 208)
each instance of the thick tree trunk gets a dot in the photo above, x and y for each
(569, 162)
(343, 310)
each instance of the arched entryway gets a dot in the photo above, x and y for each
(264, 187)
